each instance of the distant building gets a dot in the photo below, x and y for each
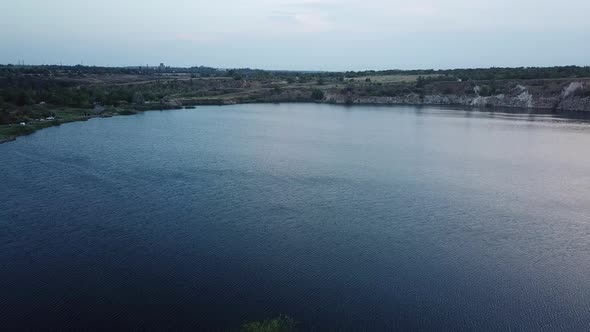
(162, 67)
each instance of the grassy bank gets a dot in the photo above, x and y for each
(59, 116)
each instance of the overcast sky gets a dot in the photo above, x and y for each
(297, 34)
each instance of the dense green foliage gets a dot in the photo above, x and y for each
(279, 324)
(476, 74)
(79, 70)
(317, 94)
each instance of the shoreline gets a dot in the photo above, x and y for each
(31, 128)
(36, 126)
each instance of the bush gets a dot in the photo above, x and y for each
(317, 94)
(486, 91)
(24, 98)
(279, 324)
(127, 112)
(447, 90)
(583, 92)
(420, 82)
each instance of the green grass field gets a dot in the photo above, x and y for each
(61, 115)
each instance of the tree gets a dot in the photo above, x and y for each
(138, 98)
(23, 98)
(317, 94)
(420, 82)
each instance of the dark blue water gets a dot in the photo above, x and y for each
(362, 218)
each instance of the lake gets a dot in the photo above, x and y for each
(344, 218)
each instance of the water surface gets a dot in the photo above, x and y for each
(359, 218)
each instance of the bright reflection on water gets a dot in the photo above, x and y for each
(360, 218)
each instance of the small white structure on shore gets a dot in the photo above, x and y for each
(23, 124)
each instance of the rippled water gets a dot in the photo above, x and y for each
(361, 218)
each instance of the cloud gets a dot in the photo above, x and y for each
(190, 37)
(312, 22)
(296, 17)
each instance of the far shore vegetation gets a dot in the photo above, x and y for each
(281, 323)
(36, 97)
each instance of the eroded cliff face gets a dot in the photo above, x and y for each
(562, 95)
